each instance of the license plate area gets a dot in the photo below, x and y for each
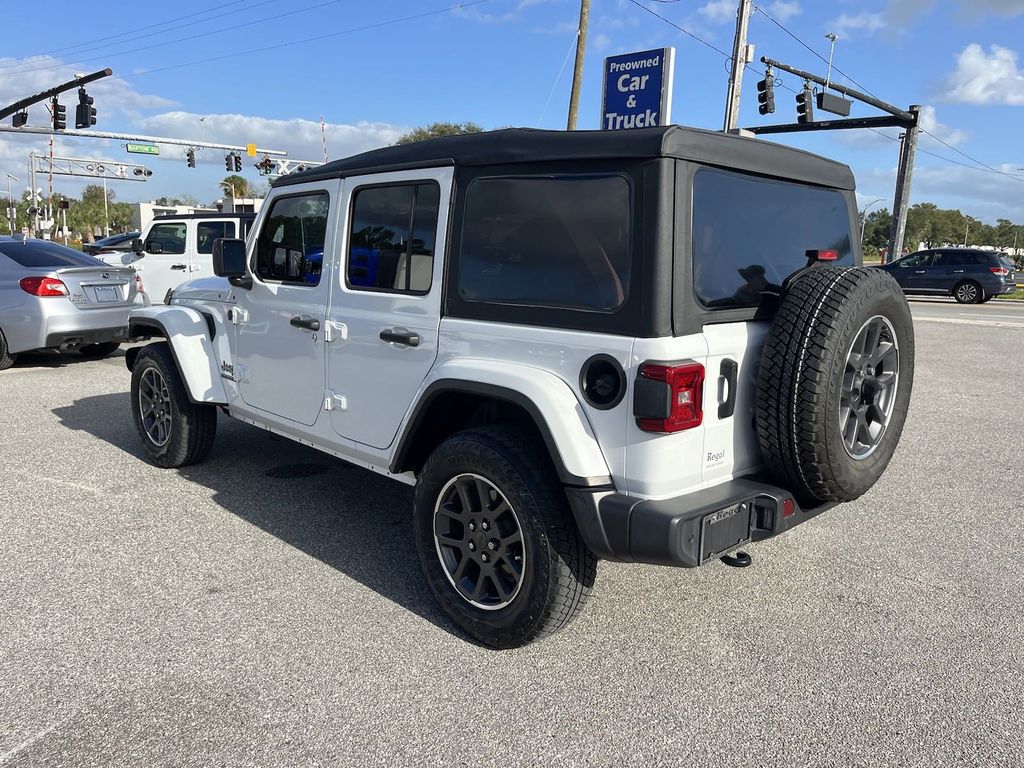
(106, 293)
(725, 529)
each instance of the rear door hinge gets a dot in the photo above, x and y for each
(335, 331)
(333, 402)
(237, 316)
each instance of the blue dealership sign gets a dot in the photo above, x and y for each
(637, 90)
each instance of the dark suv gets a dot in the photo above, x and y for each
(970, 275)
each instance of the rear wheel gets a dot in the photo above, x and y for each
(496, 539)
(968, 292)
(175, 431)
(98, 350)
(835, 382)
(6, 358)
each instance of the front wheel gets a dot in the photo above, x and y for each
(175, 431)
(496, 539)
(968, 292)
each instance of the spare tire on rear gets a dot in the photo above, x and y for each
(834, 383)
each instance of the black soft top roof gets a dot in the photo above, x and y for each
(528, 145)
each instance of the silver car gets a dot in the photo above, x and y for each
(54, 297)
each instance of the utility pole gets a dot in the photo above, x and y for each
(577, 74)
(739, 63)
(904, 177)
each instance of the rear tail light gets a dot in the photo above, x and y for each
(1001, 271)
(668, 397)
(43, 286)
(826, 255)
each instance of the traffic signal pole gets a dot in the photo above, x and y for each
(904, 175)
(739, 63)
(28, 101)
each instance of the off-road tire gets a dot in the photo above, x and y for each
(968, 292)
(6, 358)
(801, 379)
(559, 573)
(96, 351)
(193, 426)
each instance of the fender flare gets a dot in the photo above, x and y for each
(549, 401)
(187, 332)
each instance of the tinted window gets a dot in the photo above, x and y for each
(291, 244)
(558, 241)
(392, 239)
(170, 236)
(208, 231)
(950, 259)
(40, 253)
(976, 258)
(921, 259)
(750, 234)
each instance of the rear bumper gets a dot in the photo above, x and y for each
(674, 531)
(43, 323)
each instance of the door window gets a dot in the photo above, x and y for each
(948, 259)
(169, 236)
(392, 238)
(208, 231)
(916, 260)
(290, 248)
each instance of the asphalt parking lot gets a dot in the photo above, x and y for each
(266, 607)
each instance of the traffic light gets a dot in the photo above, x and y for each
(142, 172)
(229, 162)
(19, 119)
(766, 95)
(804, 108)
(190, 156)
(59, 114)
(63, 204)
(238, 163)
(85, 112)
(265, 166)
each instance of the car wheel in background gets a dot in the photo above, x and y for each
(175, 431)
(496, 538)
(968, 292)
(98, 350)
(6, 358)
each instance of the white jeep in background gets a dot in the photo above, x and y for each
(651, 346)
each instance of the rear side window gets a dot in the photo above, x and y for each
(37, 254)
(951, 259)
(750, 234)
(553, 241)
(170, 236)
(208, 231)
(290, 248)
(393, 237)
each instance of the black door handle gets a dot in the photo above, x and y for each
(179, 266)
(728, 371)
(407, 338)
(302, 321)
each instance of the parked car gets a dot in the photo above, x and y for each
(54, 297)
(113, 245)
(648, 346)
(970, 275)
(178, 247)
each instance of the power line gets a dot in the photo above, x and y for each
(972, 159)
(363, 28)
(190, 38)
(554, 85)
(139, 29)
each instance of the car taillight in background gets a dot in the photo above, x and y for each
(138, 283)
(667, 397)
(43, 286)
(1001, 271)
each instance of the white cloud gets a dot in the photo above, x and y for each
(783, 10)
(497, 18)
(601, 43)
(298, 137)
(985, 78)
(718, 11)
(867, 23)
(929, 122)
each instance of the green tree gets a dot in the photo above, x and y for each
(876, 229)
(239, 184)
(435, 130)
(86, 215)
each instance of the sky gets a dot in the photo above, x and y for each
(266, 71)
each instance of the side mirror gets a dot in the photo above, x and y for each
(153, 246)
(228, 257)
(137, 246)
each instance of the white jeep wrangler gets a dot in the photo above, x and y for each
(649, 346)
